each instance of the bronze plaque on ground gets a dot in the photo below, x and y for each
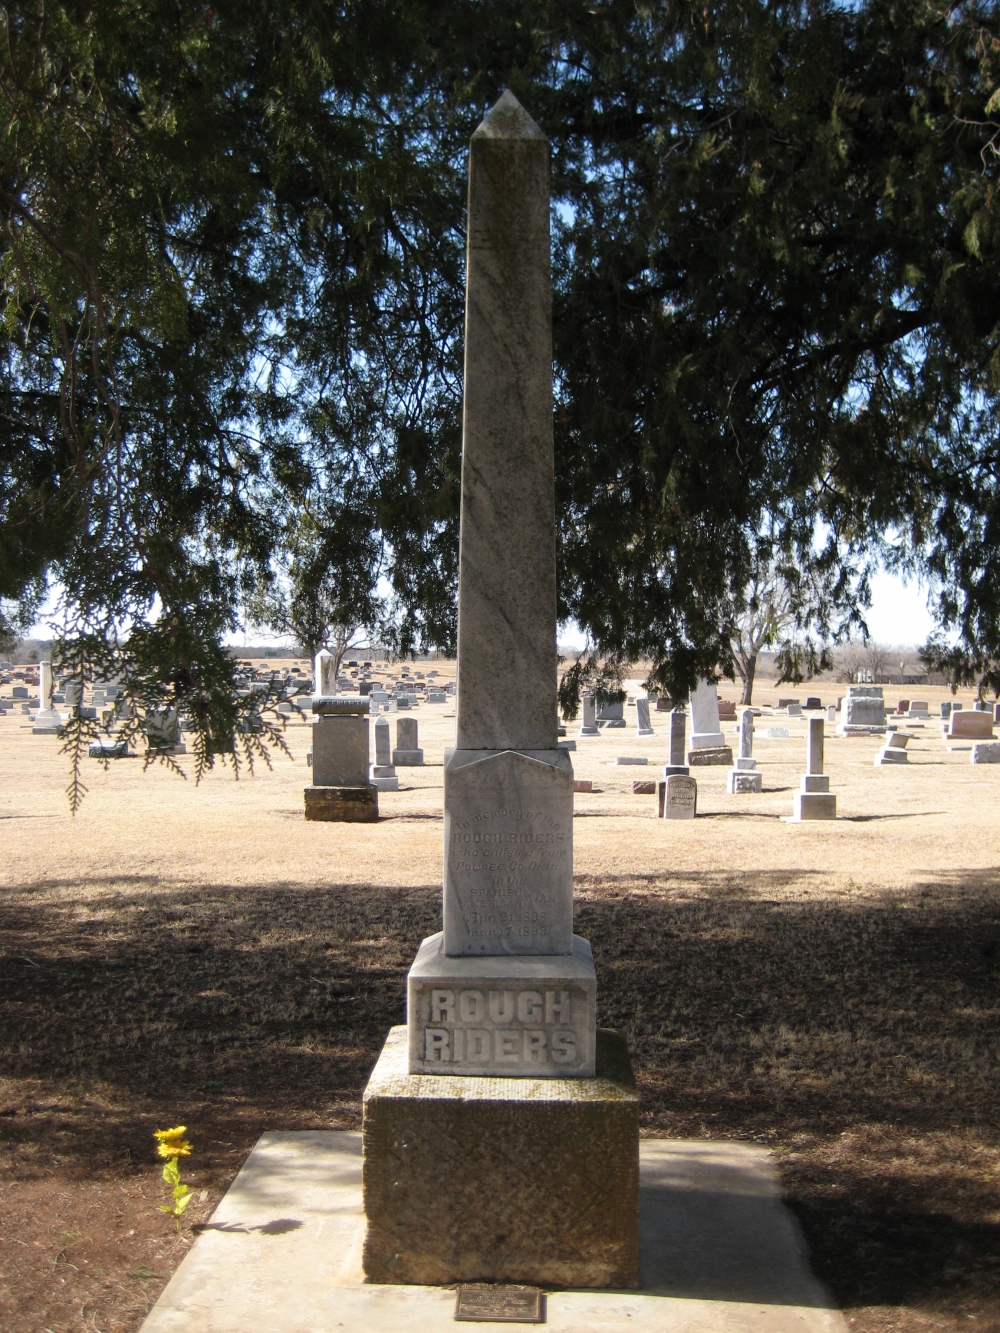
(499, 1305)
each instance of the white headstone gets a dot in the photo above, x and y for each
(589, 726)
(814, 800)
(680, 797)
(324, 674)
(706, 733)
(407, 753)
(508, 788)
(384, 775)
(642, 717)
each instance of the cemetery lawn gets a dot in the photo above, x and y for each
(206, 958)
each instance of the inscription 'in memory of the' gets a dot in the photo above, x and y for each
(509, 874)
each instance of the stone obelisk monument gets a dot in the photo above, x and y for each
(517, 1160)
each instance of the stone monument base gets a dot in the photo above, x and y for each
(471, 1179)
(408, 758)
(813, 805)
(346, 805)
(510, 1016)
(721, 755)
(890, 754)
(384, 777)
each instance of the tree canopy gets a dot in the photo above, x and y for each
(231, 246)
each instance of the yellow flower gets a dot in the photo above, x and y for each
(172, 1142)
(174, 1148)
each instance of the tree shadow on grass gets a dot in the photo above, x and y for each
(853, 1031)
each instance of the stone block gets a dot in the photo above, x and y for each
(986, 752)
(346, 805)
(501, 1180)
(513, 1017)
(814, 782)
(813, 805)
(583, 784)
(720, 756)
(643, 788)
(407, 758)
(508, 836)
(890, 754)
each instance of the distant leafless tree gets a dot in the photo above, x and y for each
(767, 617)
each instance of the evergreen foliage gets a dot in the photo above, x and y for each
(231, 252)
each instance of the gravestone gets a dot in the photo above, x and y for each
(611, 714)
(919, 708)
(903, 706)
(794, 710)
(945, 710)
(813, 703)
(727, 710)
(589, 727)
(894, 750)
(967, 724)
(407, 753)
(19, 692)
(642, 717)
(831, 713)
(384, 775)
(743, 777)
(985, 752)
(678, 797)
(708, 744)
(706, 734)
(862, 712)
(536, 1182)
(47, 721)
(163, 731)
(814, 800)
(678, 730)
(324, 674)
(340, 790)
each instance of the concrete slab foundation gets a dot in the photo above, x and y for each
(718, 1253)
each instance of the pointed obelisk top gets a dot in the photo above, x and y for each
(508, 120)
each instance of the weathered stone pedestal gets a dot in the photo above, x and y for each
(346, 805)
(502, 1180)
(341, 791)
(814, 800)
(743, 776)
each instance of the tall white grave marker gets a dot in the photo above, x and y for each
(744, 776)
(506, 990)
(814, 800)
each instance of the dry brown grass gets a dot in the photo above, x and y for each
(209, 958)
